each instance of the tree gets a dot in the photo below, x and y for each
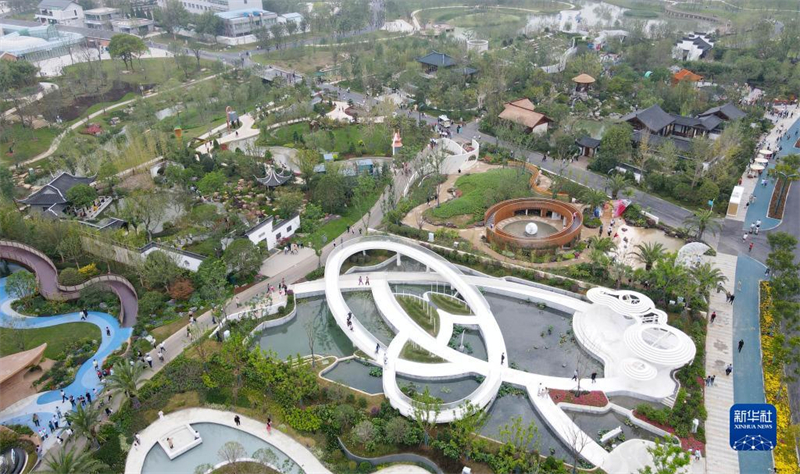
(81, 195)
(594, 198)
(235, 354)
(649, 253)
(468, 426)
(242, 258)
(211, 278)
(172, 16)
(277, 31)
(72, 461)
(126, 47)
(211, 183)
(426, 410)
(363, 199)
(615, 147)
(306, 160)
(21, 284)
(182, 60)
(577, 440)
(291, 28)
(564, 146)
(706, 277)
(124, 379)
(617, 184)
(786, 172)
(288, 202)
(146, 208)
(232, 452)
(668, 458)
(209, 24)
(70, 247)
(781, 261)
(107, 174)
(160, 270)
(701, 221)
(518, 452)
(364, 432)
(84, 420)
(330, 191)
(6, 185)
(15, 78)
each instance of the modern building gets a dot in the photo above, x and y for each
(133, 26)
(100, 18)
(59, 12)
(293, 17)
(692, 47)
(37, 42)
(245, 22)
(522, 112)
(201, 6)
(273, 232)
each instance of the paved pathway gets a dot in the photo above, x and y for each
(719, 352)
(161, 428)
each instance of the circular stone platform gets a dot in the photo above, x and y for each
(557, 223)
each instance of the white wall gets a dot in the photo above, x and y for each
(270, 235)
(184, 261)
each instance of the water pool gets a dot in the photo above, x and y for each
(214, 437)
(505, 409)
(356, 374)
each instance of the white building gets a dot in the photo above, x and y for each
(273, 232)
(294, 17)
(133, 26)
(692, 47)
(100, 18)
(201, 6)
(186, 260)
(59, 12)
(240, 23)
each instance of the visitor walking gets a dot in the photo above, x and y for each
(360, 281)
(366, 280)
(35, 420)
(63, 396)
(713, 380)
(502, 358)
(713, 317)
(744, 238)
(732, 297)
(269, 425)
(750, 247)
(594, 377)
(149, 360)
(741, 344)
(575, 375)
(237, 420)
(161, 347)
(729, 369)
(377, 347)
(108, 331)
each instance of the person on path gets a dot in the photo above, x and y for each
(161, 347)
(72, 401)
(594, 377)
(750, 247)
(63, 396)
(360, 281)
(50, 425)
(752, 227)
(137, 440)
(108, 411)
(729, 369)
(713, 379)
(575, 375)
(269, 425)
(237, 420)
(35, 419)
(713, 317)
(161, 357)
(766, 272)
(366, 280)
(502, 358)
(108, 331)
(744, 238)
(89, 397)
(169, 441)
(708, 381)
(377, 347)
(149, 360)
(733, 296)
(741, 344)
(94, 362)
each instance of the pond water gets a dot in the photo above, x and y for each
(214, 437)
(631, 402)
(291, 338)
(517, 228)
(522, 325)
(592, 424)
(364, 309)
(355, 374)
(448, 390)
(502, 412)
(474, 341)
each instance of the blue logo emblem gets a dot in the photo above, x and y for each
(754, 427)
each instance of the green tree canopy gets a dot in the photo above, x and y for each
(242, 257)
(21, 284)
(211, 183)
(126, 47)
(615, 147)
(159, 270)
(81, 195)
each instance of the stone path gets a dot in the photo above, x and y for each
(160, 428)
(719, 353)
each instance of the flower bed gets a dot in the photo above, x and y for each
(595, 398)
(687, 443)
(776, 392)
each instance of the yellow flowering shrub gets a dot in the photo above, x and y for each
(776, 392)
(89, 270)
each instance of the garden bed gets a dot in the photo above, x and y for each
(687, 443)
(594, 398)
(779, 195)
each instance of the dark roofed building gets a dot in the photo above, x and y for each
(52, 197)
(435, 60)
(725, 112)
(274, 179)
(652, 118)
(683, 145)
(588, 145)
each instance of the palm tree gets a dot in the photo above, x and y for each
(707, 277)
(649, 253)
(72, 462)
(594, 198)
(84, 421)
(668, 277)
(124, 378)
(602, 244)
(702, 221)
(617, 184)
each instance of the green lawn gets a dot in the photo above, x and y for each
(335, 228)
(56, 337)
(427, 320)
(481, 190)
(414, 353)
(283, 136)
(149, 71)
(450, 304)
(27, 142)
(348, 140)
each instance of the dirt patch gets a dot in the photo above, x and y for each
(137, 181)
(80, 104)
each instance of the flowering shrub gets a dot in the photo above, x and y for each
(595, 398)
(776, 392)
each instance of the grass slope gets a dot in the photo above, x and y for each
(450, 304)
(414, 308)
(479, 191)
(56, 337)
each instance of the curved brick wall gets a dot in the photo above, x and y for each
(507, 209)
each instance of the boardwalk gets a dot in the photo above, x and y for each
(719, 398)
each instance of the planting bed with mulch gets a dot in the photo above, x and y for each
(595, 398)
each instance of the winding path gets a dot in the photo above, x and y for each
(47, 277)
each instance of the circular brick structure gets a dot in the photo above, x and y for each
(538, 210)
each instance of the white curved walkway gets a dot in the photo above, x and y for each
(639, 351)
(160, 428)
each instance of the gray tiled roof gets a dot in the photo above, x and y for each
(437, 59)
(653, 117)
(728, 110)
(55, 192)
(55, 4)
